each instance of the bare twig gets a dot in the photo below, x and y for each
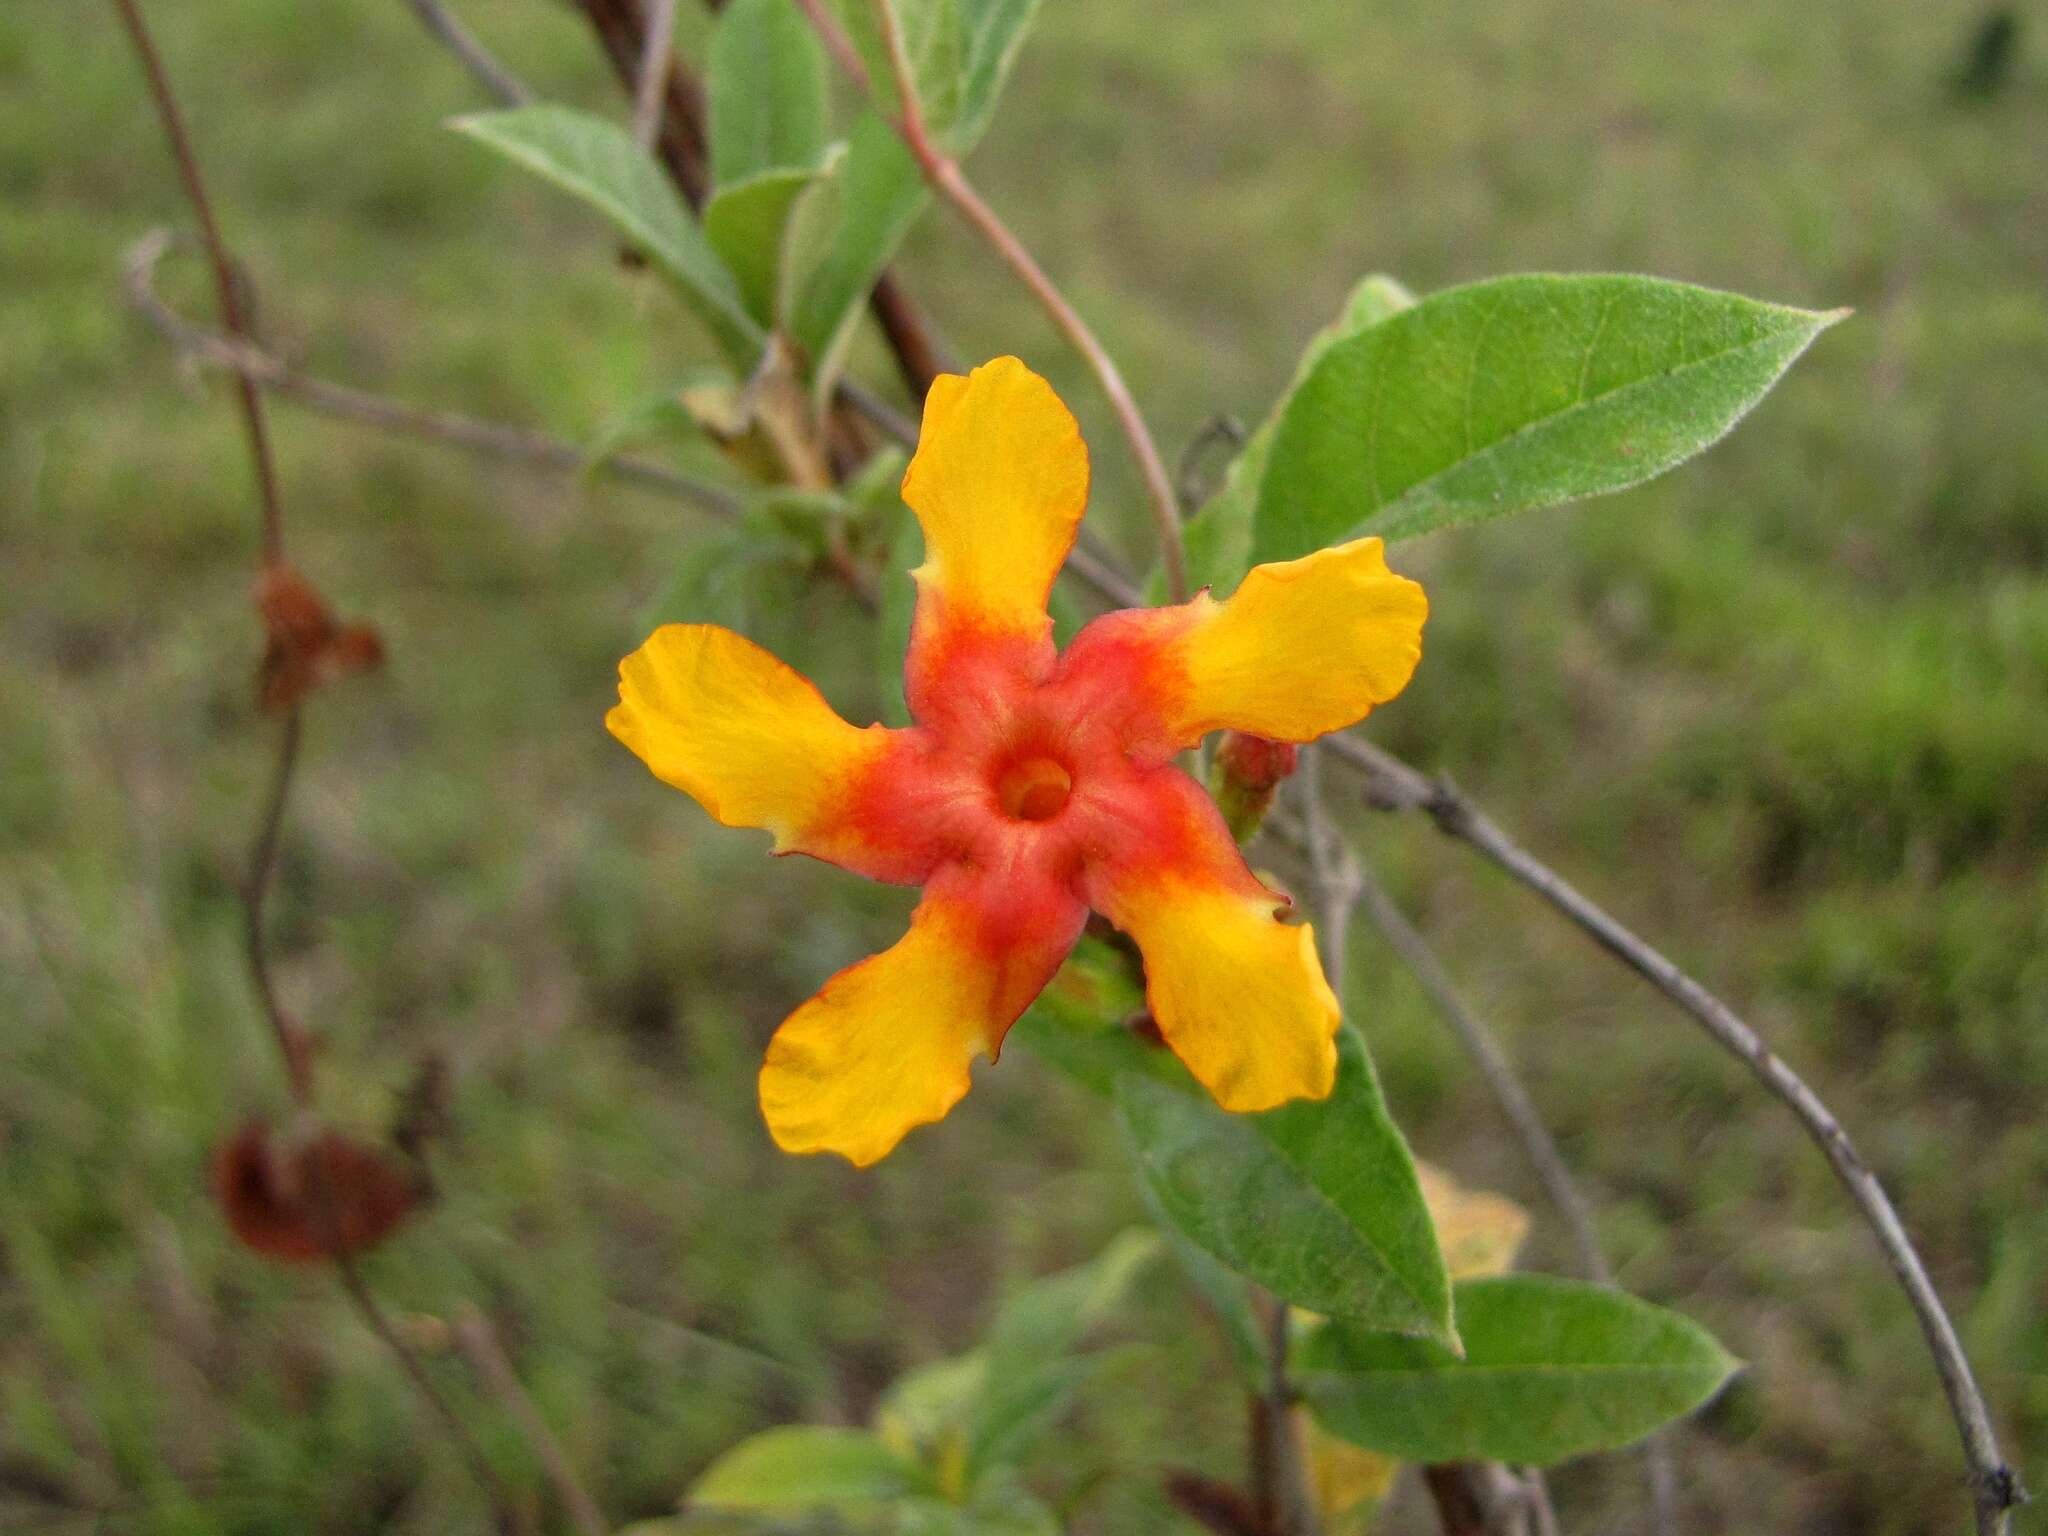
(512, 1517)
(496, 440)
(651, 87)
(1286, 1499)
(838, 44)
(479, 1344)
(1498, 1073)
(1996, 1488)
(477, 59)
(1526, 1121)
(293, 1049)
(946, 177)
(1340, 879)
(225, 282)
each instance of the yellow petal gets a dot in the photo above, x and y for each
(1237, 994)
(1345, 1477)
(1301, 648)
(751, 740)
(885, 1045)
(1479, 1232)
(998, 484)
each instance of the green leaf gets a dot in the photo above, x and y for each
(995, 1398)
(803, 1466)
(1552, 1369)
(1219, 537)
(1049, 1316)
(1516, 393)
(846, 231)
(994, 31)
(960, 54)
(1316, 1201)
(747, 223)
(599, 162)
(765, 89)
(1225, 1291)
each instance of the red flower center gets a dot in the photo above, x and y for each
(1033, 789)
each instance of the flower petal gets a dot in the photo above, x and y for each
(1302, 648)
(1238, 995)
(885, 1045)
(753, 741)
(998, 484)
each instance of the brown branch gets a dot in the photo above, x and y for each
(479, 1343)
(495, 78)
(1458, 1509)
(1285, 1499)
(1392, 785)
(681, 144)
(225, 283)
(946, 178)
(293, 1048)
(519, 445)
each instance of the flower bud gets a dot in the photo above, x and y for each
(1247, 771)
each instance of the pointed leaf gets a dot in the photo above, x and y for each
(1318, 1202)
(747, 223)
(765, 89)
(599, 162)
(994, 31)
(1516, 393)
(1219, 536)
(848, 228)
(1552, 1369)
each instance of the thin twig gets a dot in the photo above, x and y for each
(946, 177)
(226, 286)
(1995, 1486)
(1292, 1506)
(292, 1049)
(477, 59)
(512, 1516)
(479, 1343)
(496, 440)
(652, 84)
(1498, 1073)
(838, 44)
(1338, 875)
(1526, 1121)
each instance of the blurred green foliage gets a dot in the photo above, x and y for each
(1786, 711)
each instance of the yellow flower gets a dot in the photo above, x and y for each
(1032, 786)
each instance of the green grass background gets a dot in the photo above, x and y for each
(1786, 711)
